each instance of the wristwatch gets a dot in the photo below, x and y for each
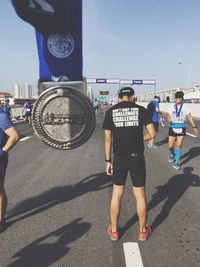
(108, 160)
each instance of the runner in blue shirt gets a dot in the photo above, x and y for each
(6, 107)
(154, 109)
(28, 111)
(8, 138)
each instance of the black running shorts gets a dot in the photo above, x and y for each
(156, 125)
(177, 132)
(3, 166)
(135, 164)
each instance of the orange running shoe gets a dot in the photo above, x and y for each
(114, 236)
(143, 236)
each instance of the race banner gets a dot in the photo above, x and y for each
(58, 26)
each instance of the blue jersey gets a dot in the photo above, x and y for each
(28, 108)
(155, 114)
(5, 123)
(6, 108)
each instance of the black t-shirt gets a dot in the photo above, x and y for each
(126, 121)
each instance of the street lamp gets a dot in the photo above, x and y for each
(188, 72)
(154, 85)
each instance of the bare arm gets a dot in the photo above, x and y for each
(108, 148)
(13, 137)
(168, 117)
(159, 112)
(190, 119)
(151, 133)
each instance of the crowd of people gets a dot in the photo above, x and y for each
(123, 130)
(123, 125)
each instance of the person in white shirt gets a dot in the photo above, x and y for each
(177, 116)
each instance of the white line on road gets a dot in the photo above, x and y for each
(132, 255)
(15, 122)
(24, 138)
(191, 134)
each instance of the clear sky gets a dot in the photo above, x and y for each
(127, 39)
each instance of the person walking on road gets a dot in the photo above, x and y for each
(28, 111)
(154, 109)
(177, 116)
(95, 105)
(123, 126)
(8, 138)
(6, 107)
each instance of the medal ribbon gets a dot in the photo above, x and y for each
(178, 111)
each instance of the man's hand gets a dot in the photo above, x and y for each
(195, 130)
(109, 168)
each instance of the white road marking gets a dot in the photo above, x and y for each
(132, 255)
(191, 134)
(24, 138)
(17, 121)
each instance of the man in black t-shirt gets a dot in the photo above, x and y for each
(123, 126)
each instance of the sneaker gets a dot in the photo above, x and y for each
(154, 146)
(171, 159)
(114, 236)
(3, 226)
(177, 166)
(143, 236)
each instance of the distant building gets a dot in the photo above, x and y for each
(4, 96)
(26, 91)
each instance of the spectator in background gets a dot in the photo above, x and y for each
(6, 107)
(95, 105)
(28, 111)
(167, 99)
(153, 110)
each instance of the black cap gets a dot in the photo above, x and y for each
(179, 94)
(129, 91)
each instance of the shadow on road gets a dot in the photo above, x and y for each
(162, 142)
(40, 253)
(58, 195)
(170, 193)
(192, 153)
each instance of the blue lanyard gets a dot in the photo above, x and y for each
(178, 111)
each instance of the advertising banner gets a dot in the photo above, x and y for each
(58, 26)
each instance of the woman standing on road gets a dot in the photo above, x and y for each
(177, 116)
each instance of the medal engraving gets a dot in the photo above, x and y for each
(63, 117)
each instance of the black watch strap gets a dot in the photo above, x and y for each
(108, 160)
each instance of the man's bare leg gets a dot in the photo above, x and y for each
(115, 206)
(141, 207)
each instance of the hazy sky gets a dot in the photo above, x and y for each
(133, 39)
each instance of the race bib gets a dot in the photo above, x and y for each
(177, 130)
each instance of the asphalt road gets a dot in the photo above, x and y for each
(59, 200)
